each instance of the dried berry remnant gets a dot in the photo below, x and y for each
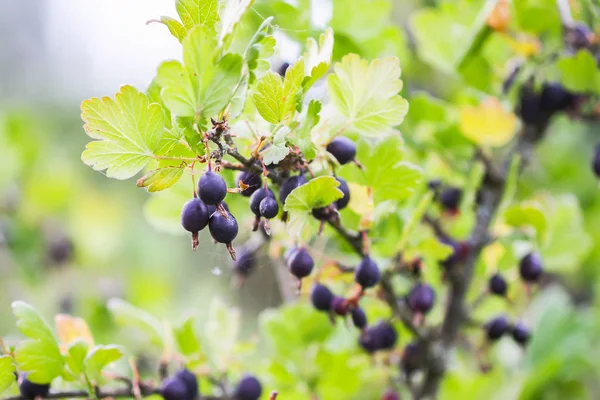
(421, 298)
(250, 179)
(212, 208)
(367, 273)
(596, 160)
(257, 198)
(496, 328)
(245, 262)
(301, 263)
(520, 334)
(321, 297)
(554, 97)
(190, 380)
(359, 318)
(268, 207)
(530, 267)
(212, 188)
(290, 184)
(223, 228)
(31, 391)
(339, 305)
(248, 388)
(390, 394)
(343, 149)
(343, 202)
(450, 198)
(497, 285)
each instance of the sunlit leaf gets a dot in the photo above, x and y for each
(126, 314)
(7, 373)
(99, 357)
(488, 124)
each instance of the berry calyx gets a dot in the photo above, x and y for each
(359, 318)
(496, 328)
(521, 334)
(321, 297)
(343, 202)
(31, 391)
(530, 268)
(497, 285)
(301, 263)
(290, 184)
(268, 207)
(212, 188)
(367, 273)
(194, 218)
(248, 388)
(421, 298)
(175, 389)
(343, 149)
(251, 180)
(450, 198)
(212, 208)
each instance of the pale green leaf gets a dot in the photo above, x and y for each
(259, 49)
(267, 97)
(185, 336)
(317, 54)
(198, 12)
(318, 192)
(7, 373)
(99, 357)
(221, 332)
(302, 135)
(126, 314)
(76, 355)
(579, 72)
(231, 12)
(128, 130)
(223, 84)
(178, 92)
(175, 27)
(278, 150)
(527, 214)
(292, 87)
(160, 179)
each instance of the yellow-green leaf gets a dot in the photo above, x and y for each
(160, 179)
(7, 373)
(99, 357)
(488, 124)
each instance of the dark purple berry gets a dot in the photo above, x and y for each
(190, 380)
(450, 198)
(175, 389)
(579, 36)
(60, 250)
(410, 360)
(321, 297)
(257, 197)
(460, 250)
(248, 388)
(211, 208)
(520, 334)
(194, 215)
(301, 263)
(212, 188)
(245, 262)
(529, 108)
(368, 341)
(223, 228)
(367, 273)
(555, 97)
(390, 394)
(434, 184)
(343, 202)
(497, 285)
(323, 213)
(596, 160)
(252, 180)
(530, 267)
(496, 328)
(359, 318)
(268, 207)
(343, 149)
(387, 335)
(339, 305)
(421, 297)
(30, 390)
(290, 184)
(283, 68)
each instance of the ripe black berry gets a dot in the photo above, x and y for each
(390, 394)
(497, 285)
(60, 250)
(343, 202)
(382, 336)
(324, 213)
(194, 215)
(367, 273)
(248, 388)
(252, 180)
(283, 68)
(496, 328)
(530, 267)
(321, 297)
(223, 228)
(268, 207)
(520, 334)
(290, 184)
(175, 389)
(301, 263)
(410, 358)
(343, 149)
(450, 198)
(212, 189)
(529, 108)
(257, 197)
(555, 97)
(359, 318)
(190, 380)
(368, 341)
(421, 298)
(31, 391)
(596, 160)
(245, 262)
(339, 305)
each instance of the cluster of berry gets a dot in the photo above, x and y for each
(184, 386)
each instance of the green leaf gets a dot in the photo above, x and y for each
(231, 13)
(225, 80)
(579, 73)
(302, 136)
(128, 130)
(161, 178)
(292, 88)
(317, 58)
(527, 214)
(221, 332)
(278, 149)
(7, 373)
(318, 192)
(267, 97)
(259, 49)
(367, 94)
(436, 34)
(175, 27)
(99, 357)
(40, 356)
(126, 314)
(76, 355)
(185, 336)
(198, 12)
(537, 16)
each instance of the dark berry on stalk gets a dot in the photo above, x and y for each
(257, 197)
(290, 184)
(496, 328)
(211, 208)
(60, 250)
(530, 267)
(283, 68)
(343, 149)
(367, 273)
(529, 108)
(579, 36)
(301, 263)
(190, 380)
(369, 341)
(248, 388)
(30, 390)
(321, 297)
(245, 262)
(323, 213)
(450, 198)
(223, 228)
(359, 318)
(343, 202)
(252, 180)
(268, 207)
(410, 358)
(390, 394)
(434, 184)
(387, 335)
(421, 297)
(212, 188)
(497, 285)
(596, 160)
(520, 334)
(339, 305)
(175, 389)
(194, 215)
(555, 97)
